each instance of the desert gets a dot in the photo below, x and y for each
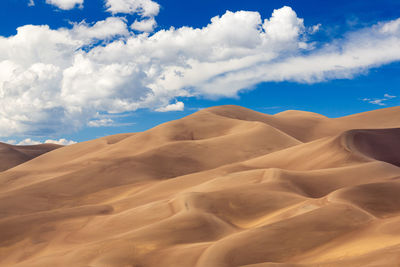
(225, 186)
(172, 133)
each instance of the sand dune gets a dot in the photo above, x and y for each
(12, 156)
(226, 186)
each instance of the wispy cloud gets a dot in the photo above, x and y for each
(101, 123)
(107, 122)
(389, 96)
(267, 108)
(379, 101)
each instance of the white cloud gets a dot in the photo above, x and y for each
(178, 106)
(31, 3)
(101, 30)
(390, 27)
(145, 8)
(379, 101)
(11, 142)
(108, 120)
(146, 25)
(58, 80)
(314, 28)
(66, 4)
(284, 25)
(29, 142)
(389, 96)
(101, 123)
(62, 141)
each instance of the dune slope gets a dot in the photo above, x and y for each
(12, 156)
(226, 186)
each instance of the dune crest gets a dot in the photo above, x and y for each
(226, 186)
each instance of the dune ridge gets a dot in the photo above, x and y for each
(225, 186)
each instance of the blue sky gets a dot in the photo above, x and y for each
(75, 70)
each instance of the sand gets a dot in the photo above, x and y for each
(226, 186)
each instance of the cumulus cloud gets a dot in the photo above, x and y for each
(57, 80)
(284, 25)
(101, 30)
(146, 25)
(28, 142)
(145, 8)
(62, 141)
(178, 106)
(65, 4)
